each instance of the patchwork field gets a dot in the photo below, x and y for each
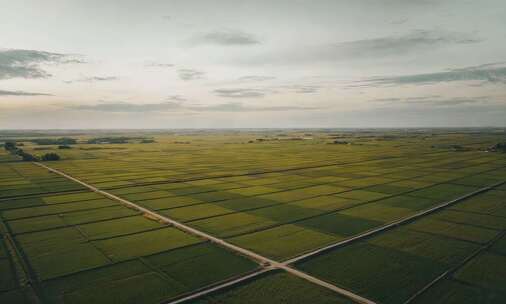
(283, 216)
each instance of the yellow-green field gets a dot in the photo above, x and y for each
(406, 216)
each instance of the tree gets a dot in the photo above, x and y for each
(500, 147)
(50, 157)
(10, 145)
(27, 156)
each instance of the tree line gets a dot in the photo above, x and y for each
(12, 148)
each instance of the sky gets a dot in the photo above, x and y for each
(68, 64)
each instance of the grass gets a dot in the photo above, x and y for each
(36, 224)
(7, 277)
(491, 203)
(408, 202)
(370, 271)
(362, 195)
(443, 192)
(56, 209)
(480, 220)
(278, 197)
(339, 224)
(145, 243)
(118, 227)
(378, 212)
(283, 242)
(232, 224)
(190, 213)
(487, 271)
(455, 292)
(276, 287)
(442, 250)
(214, 264)
(456, 231)
(156, 288)
(71, 259)
(500, 246)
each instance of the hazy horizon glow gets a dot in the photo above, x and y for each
(252, 64)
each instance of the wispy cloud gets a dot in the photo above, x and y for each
(225, 38)
(256, 78)
(22, 93)
(302, 89)
(398, 21)
(402, 44)
(190, 74)
(488, 73)
(93, 79)
(153, 64)
(177, 98)
(241, 93)
(16, 63)
(124, 107)
(375, 48)
(437, 101)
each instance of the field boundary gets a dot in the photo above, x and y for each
(456, 267)
(392, 224)
(190, 179)
(265, 262)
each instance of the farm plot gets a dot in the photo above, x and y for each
(106, 246)
(256, 216)
(18, 179)
(480, 280)
(276, 287)
(392, 266)
(279, 198)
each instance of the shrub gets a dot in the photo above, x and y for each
(147, 141)
(52, 141)
(50, 157)
(27, 156)
(10, 145)
(500, 147)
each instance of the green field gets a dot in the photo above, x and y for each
(276, 197)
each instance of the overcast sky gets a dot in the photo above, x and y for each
(259, 63)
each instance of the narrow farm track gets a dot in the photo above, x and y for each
(456, 268)
(392, 224)
(265, 262)
(285, 265)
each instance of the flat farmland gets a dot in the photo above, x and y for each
(257, 216)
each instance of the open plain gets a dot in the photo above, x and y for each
(255, 216)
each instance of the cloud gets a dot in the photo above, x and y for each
(487, 73)
(190, 74)
(225, 38)
(302, 89)
(93, 79)
(239, 107)
(124, 107)
(16, 63)
(256, 78)
(392, 46)
(402, 44)
(128, 107)
(240, 93)
(152, 64)
(177, 98)
(398, 21)
(22, 93)
(437, 101)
